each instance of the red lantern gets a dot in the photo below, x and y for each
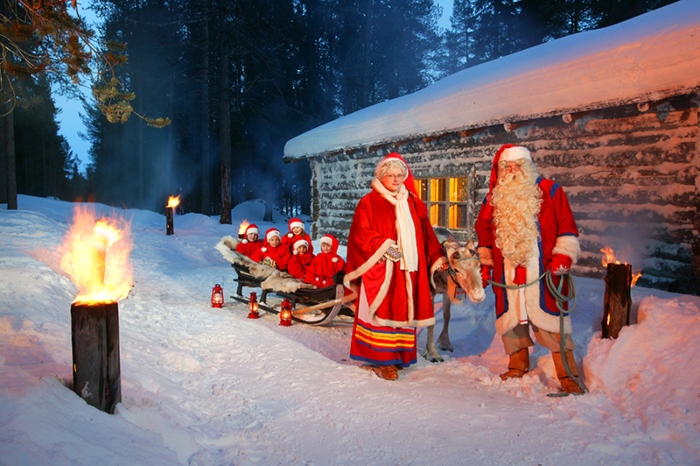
(286, 313)
(253, 306)
(217, 296)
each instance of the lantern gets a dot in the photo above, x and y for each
(253, 306)
(217, 296)
(286, 313)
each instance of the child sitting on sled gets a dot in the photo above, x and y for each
(300, 260)
(272, 252)
(250, 245)
(326, 264)
(296, 232)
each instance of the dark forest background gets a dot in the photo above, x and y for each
(238, 78)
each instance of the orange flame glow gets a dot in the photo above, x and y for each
(95, 255)
(241, 229)
(173, 201)
(609, 258)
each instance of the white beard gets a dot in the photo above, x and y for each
(516, 201)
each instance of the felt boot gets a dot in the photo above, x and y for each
(568, 385)
(518, 365)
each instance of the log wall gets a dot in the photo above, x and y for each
(631, 176)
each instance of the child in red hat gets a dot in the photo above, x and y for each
(326, 263)
(300, 260)
(250, 245)
(296, 232)
(272, 252)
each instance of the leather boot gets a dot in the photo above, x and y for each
(518, 365)
(568, 385)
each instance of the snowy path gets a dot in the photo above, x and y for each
(209, 386)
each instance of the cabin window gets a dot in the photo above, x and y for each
(449, 201)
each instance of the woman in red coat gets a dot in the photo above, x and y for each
(391, 255)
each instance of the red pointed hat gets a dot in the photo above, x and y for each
(295, 222)
(410, 181)
(509, 153)
(330, 239)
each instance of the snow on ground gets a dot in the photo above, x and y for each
(208, 386)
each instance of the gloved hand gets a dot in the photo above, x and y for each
(520, 275)
(485, 275)
(269, 262)
(561, 264)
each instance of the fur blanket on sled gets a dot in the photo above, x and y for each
(271, 278)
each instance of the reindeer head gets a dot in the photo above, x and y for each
(464, 264)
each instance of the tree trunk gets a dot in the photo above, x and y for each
(225, 138)
(7, 147)
(206, 156)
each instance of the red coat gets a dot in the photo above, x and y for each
(280, 255)
(322, 269)
(372, 231)
(250, 249)
(298, 264)
(558, 234)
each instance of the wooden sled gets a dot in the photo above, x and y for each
(317, 306)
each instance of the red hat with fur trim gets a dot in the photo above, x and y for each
(252, 228)
(409, 182)
(508, 153)
(333, 242)
(301, 242)
(270, 233)
(292, 223)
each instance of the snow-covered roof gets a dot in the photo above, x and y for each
(645, 58)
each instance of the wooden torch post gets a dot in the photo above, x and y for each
(169, 226)
(618, 299)
(95, 338)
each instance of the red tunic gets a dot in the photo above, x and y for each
(322, 269)
(250, 249)
(298, 264)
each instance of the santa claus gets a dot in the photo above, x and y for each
(525, 227)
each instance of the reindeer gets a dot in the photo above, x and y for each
(464, 272)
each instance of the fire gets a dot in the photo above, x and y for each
(609, 258)
(95, 255)
(173, 201)
(241, 229)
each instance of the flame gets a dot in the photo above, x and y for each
(609, 257)
(636, 276)
(173, 201)
(244, 224)
(95, 255)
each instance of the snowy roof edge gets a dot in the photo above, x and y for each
(649, 57)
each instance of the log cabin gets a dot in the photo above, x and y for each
(610, 114)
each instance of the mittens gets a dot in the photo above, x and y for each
(485, 275)
(561, 264)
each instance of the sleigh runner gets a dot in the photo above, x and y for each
(314, 306)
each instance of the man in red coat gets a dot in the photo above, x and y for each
(525, 227)
(392, 253)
